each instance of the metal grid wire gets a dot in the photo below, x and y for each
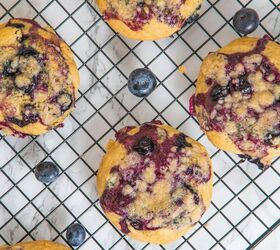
(31, 211)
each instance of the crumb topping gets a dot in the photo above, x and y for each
(136, 13)
(243, 100)
(156, 184)
(35, 83)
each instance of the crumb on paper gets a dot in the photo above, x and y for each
(182, 69)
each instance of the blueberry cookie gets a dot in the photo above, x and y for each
(38, 78)
(154, 182)
(36, 245)
(237, 100)
(148, 19)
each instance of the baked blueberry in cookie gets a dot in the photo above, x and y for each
(38, 78)
(237, 100)
(149, 19)
(154, 182)
(36, 245)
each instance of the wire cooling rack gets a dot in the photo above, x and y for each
(245, 206)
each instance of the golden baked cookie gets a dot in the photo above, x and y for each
(38, 78)
(237, 99)
(154, 182)
(148, 19)
(36, 245)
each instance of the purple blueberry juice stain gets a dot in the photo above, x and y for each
(33, 23)
(6, 124)
(253, 113)
(256, 161)
(16, 121)
(209, 81)
(191, 105)
(236, 58)
(179, 202)
(122, 133)
(196, 199)
(205, 100)
(123, 225)
(15, 25)
(194, 173)
(113, 200)
(42, 87)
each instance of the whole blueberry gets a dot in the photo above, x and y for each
(244, 86)
(137, 224)
(27, 51)
(219, 92)
(144, 146)
(141, 82)
(181, 142)
(76, 234)
(246, 20)
(46, 172)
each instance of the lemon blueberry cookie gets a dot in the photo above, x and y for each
(148, 19)
(38, 78)
(36, 245)
(237, 100)
(154, 182)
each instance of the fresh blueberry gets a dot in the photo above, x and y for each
(246, 20)
(144, 146)
(141, 82)
(46, 172)
(219, 93)
(76, 234)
